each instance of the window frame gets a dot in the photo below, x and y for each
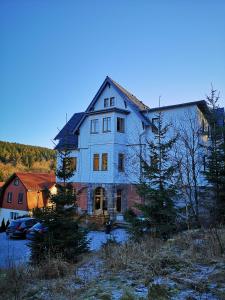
(106, 102)
(94, 126)
(156, 125)
(96, 167)
(120, 124)
(112, 101)
(74, 161)
(16, 182)
(108, 122)
(104, 163)
(20, 199)
(121, 162)
(9, 199)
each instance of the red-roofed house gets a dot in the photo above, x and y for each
(24, 191)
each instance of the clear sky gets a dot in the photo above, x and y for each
(54, 55)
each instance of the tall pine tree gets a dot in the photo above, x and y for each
(215, 163)
(156, 185)
(65, 238)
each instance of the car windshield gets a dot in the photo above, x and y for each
(37, 226)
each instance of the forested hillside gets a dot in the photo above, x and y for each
(18, 157)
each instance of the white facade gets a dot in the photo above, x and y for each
(114, 142)
(138, 129)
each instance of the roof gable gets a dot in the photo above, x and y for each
(33, 181)
(131, 100)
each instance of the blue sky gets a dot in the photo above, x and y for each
(54, 55)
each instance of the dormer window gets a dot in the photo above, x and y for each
(112, 101)
(106, 102)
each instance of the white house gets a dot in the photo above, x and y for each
(105, 139)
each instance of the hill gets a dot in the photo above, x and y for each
(19, 157)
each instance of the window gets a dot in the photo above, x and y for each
(96, 162)
(112, 101)
(120, 124)
(106, 102)
(20, 198)
(106, 124)
(104, 161)
(118, 200)
(125, 104)
(16, 181)
(9, 197)
(70, 164)
(155, 122)
(73, 163)
(94, 126)
(121, 162)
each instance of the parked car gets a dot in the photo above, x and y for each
(38, 228)
(18, 228)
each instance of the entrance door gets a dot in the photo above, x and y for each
(100, 203)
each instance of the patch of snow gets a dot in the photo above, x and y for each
(98, 238)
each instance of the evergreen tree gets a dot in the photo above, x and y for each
(156, 185)
(3, 226)
(65, 238)
(215, 163)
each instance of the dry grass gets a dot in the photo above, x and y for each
(15, 279)
(134, 262)
(153, 257)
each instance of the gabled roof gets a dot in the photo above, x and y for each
(131, 100)
(67, 135)
(33, 181)
(130, 96)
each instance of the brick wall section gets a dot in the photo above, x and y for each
(132, 197)
(129, 194)
(81, 189)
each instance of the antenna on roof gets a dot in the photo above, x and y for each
(159, 101)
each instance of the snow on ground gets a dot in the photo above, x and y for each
(13, 251)
(98, 238)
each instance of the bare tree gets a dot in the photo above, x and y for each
(189, 155)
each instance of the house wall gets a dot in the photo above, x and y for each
(132, 143)
(111, 143)
(15, 192)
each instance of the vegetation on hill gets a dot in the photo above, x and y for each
(16, 157)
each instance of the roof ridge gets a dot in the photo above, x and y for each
(131, 96)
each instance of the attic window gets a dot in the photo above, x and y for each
(16, 181)
(112, 101)
(125, 104)
(106, 102)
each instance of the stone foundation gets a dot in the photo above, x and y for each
(86, 192)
